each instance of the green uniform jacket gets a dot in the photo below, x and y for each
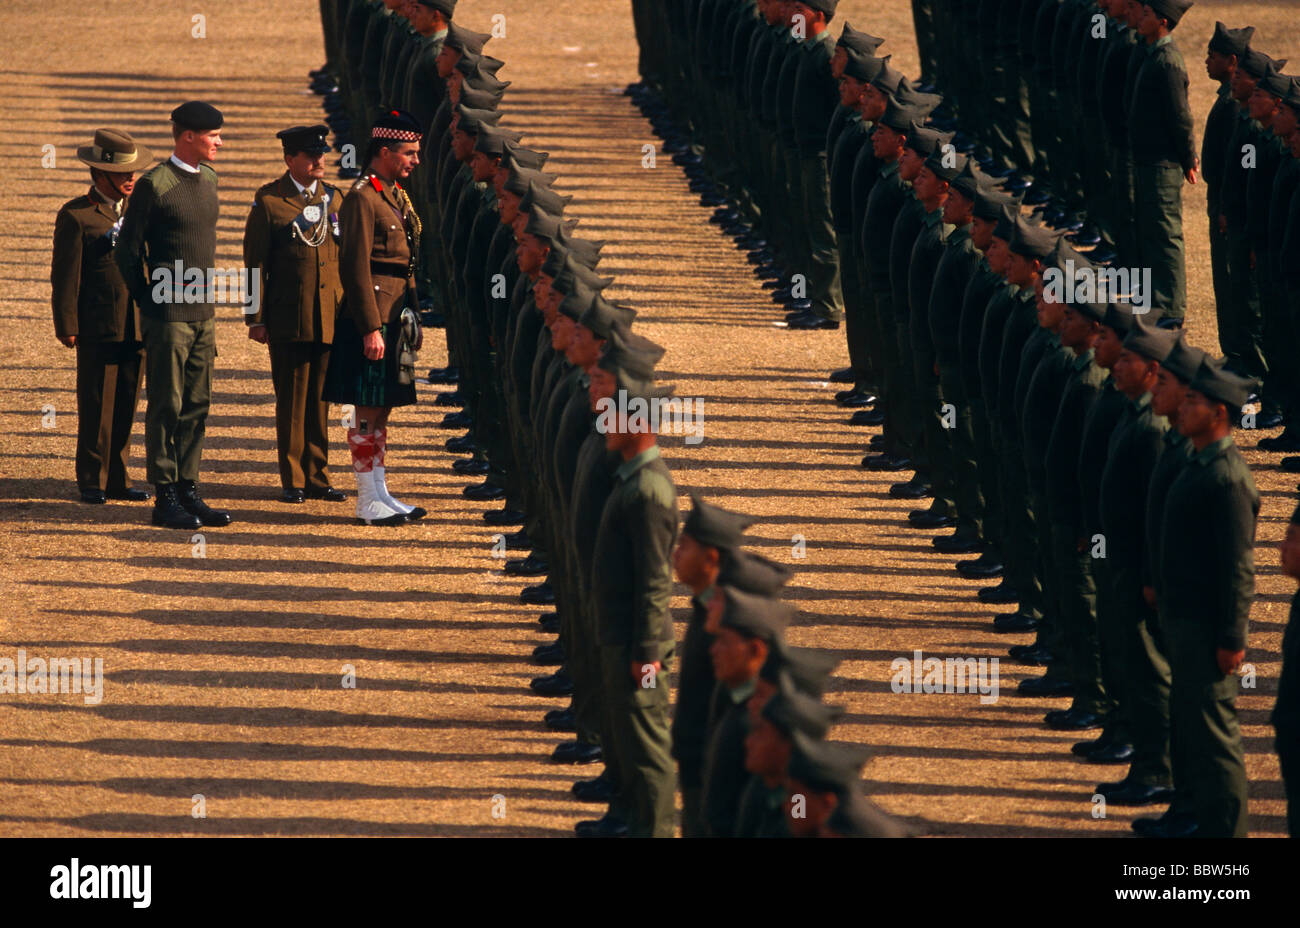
(694, 688)
(1062, 460)
(762, 811)
(724, 759)
(1135, 446)
(88, 293)
(1174, 456)
(1159, 118)
(631, 576)
(1207, 561)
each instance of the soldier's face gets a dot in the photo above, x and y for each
(1167, 396)
(462, 145)
(981, 232)
(1262, 105)
(909, 165)
(601, 386)
(1076, 330)
(1243, 85)
(400, 160)
(1218, 65)
(528, 255)
(205, 144)
(1051, 315)
(1108, 347)
(1131, 372)
(561, 333)
(446, 62)
(1022, 271)
(850, 91)
(736, 659)
(1284, 122)
(483, 166)
(695, 565)
(886, 144)
(306, 167)
(838, 60)
(872, 103)
(767, 752)
(1133, 13)
(421, 17)
(1198, 415)
(998, 255)
(584, 347)
(508, 205)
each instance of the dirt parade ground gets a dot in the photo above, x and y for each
(297, 674)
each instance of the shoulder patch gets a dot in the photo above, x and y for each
(207, 172)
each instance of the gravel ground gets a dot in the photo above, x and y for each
(224, 674)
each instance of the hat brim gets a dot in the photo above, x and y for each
(143, 158)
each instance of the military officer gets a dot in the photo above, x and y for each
(291, 240)
(377, 334)
(171, 221)
(95, 314)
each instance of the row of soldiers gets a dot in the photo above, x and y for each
(540, 352)
(1081, 447)
(1080, 99)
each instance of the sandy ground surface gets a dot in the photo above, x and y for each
(224, 674)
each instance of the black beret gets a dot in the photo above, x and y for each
(541, 196)
(1227, 41)
(576, 299)
(1171, 10)
(714, 526)
(563, 248)
(1030, 241)
(480, 71)
(1275, 82)
(516, 157)
(1221, 385)
(1064, 257)
(630, 354)
(830, 766)
(863, 67)
(751, 572)
(1149, 340)
(1008, 216)
(1094, 311)
(938, 163)
(992, 203)
(809, 669)
(926, 103)
(899, 116)
(791, 710)
(856, 41)
(754, 614)
(1183, 360)
(469, 120)
(445, 7)
(603, 317)
(970, 181)
(889, 80)
(542, 225)
(477, 99)
(1256, 63)
(574, 275)
(518, 179)
(465, 41)
(492, 140)
(313, 140)
(923, 140)
(197, 116)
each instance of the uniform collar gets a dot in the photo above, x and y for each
(703, 597)
(1142, 402)
(307, 191)
(740, 693)
(1161, 42)
(1083, 360)
(1216, 449)
(110, 208)
(933, 217)
(182, 165)
(625, 470)
(888, 168)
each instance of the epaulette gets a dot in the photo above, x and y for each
(375, 182)
(360, 182)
